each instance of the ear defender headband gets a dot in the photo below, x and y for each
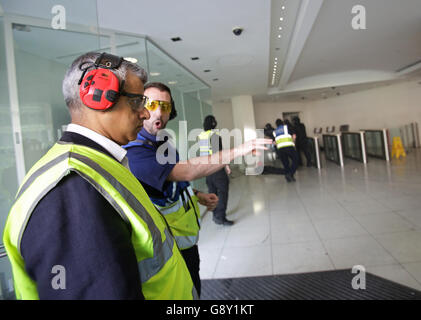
(99, 89)
(173, 112)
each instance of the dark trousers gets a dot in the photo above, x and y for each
(303, 147)
(287, 154)
(192, 259)
(218, 184)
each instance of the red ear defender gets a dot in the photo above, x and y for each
(99, 89)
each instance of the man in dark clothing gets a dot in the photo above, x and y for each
(301, 143)
(217, 182)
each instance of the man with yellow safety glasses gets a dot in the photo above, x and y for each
(168, 184)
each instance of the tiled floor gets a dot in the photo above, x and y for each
(329, 219)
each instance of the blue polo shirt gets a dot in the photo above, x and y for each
(142, 155)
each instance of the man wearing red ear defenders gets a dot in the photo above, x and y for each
(82, 226)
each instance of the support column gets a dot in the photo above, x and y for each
(243, 118)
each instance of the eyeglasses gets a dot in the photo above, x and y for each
(151, 105)
(135, 100)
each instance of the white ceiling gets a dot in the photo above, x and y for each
(318, 49)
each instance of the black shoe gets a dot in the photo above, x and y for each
(293, 178)
(224, 222)
(288, 177)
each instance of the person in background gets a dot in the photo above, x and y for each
(284, 139)
(210, 142)
(82, 226)
(301, 143)
(268, 131)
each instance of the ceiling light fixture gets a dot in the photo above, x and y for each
(176, 39)
(172, 82)
(281, 19)
(283, 8)
(154, 74)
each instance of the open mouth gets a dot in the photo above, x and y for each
(158, 124)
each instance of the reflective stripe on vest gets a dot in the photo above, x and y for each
(205, 145)
(163, 272)
(284, 140)
(183, 219)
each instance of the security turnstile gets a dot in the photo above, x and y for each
(314, 148)
(353, 146)
(376, 142)
(333, 148)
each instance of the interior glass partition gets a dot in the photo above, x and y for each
(8, 171)
(376, 144)
(36, 48)
(314, 149)
(191, 96)
(353, 146)
(333, 148)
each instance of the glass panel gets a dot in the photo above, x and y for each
(313, 151)
(189, 94)
(132, 47)
(331, 148)
(207, 110)
(375, 144)
(8, 175)
(351, 144)
(42, 54)
(40, 71)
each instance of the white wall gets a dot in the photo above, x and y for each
(223, 115)
(268, 112)
(384, 107)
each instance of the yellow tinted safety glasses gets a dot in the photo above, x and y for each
(151, 105)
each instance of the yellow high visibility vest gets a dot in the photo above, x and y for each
(163, 272)
(282, 138)
(183, 217)
(205, 146)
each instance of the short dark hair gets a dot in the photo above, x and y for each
(279, 122)
(164, 88)
(209, 123)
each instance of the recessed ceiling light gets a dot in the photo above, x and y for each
(172, 82)
(276, 58)
(176, 39)
(154, 74)
(279, 36)
(130, 59)
(280, 28)
(281, 18)
(283, 7)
